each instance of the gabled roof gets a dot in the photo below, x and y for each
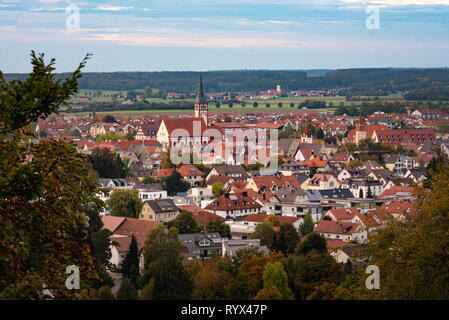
(336, 227)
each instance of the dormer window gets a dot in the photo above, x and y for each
(204, 242)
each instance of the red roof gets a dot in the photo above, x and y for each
(344, 213)
(232, 201)
(335, 227)
(189, 170)
(398, 192)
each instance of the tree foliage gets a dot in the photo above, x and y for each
(125, 203)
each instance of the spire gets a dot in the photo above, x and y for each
(200, 96)
(307, 131)
(360, 120)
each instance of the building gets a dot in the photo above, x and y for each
(201, 103)
(360, 132)
(234, 205)
(162, 210)
(200, 245)
(231, 247)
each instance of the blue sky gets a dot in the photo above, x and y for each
(229, 34)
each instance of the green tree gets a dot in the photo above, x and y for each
(163, 265)
(101, 249)
(131, 260)
(288, 237)
(240, 288)
(307, 225)
(320, 134)
(185, 223)
(127, 290)
(47, 180)
(265, 233)
(105, 293)
(125, 203)
(104, 162)
(123, 167)
(275, 276)
(175, 183)
(217, 225)
(313, 242)
(218, 189)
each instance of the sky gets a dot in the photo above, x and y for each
(172, 35)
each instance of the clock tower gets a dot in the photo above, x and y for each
(201, 103)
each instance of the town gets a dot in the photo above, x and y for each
(251, 183)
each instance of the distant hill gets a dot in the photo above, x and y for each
(374, 81)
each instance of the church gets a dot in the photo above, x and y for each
(189, 132)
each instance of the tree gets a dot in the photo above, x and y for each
(175, 183)
(123, 166)
(412, 253)
(210, 282)
(218, 189)
(105, 293)
(313, 242)
(271, 293)
(131, 260)
(240, 288)
(148, 92)
(217, 225)
(265, 233)
(275, 276)
(47, 180)
(361, 193)
(369, 194)
(320, 134)
(167, 163)
(306, 273)
(104, 162)
(125, 203)
(163, 265)
(185, 223)
(101, 249)
(307, 225)
(292, 105)
(255, 104)
(227, 119)
(150, 180)
(127, 290)
(272, 220)
(109, 119)
(288, 238)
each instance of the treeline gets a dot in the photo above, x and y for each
(435, 94)
(110, 106)
(373, 82)
(367, 108)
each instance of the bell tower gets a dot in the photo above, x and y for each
(201, 103)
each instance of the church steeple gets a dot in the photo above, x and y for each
(201, 103)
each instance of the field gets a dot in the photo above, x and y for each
(331, 103)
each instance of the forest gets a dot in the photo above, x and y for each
(380, 81)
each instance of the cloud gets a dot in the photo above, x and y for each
(113, 8)
(147, 40)
(399, 2)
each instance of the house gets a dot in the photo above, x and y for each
(200, 245)
(364, 188)
(321, 181)
(428, 114)
(416, 174)
(123, 229)
(400, 209)
(398, 193)
(234, 205)
(402, 136)
(399, 181)
(231, 247)
(161, 210)
(272, 183)
(342, 214)
(395, 162)
(346, 231)
(347, 252)
(237, 172)
(191, 174)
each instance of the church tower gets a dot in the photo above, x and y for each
(360, 132)
(201, 103)
(306, 136)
